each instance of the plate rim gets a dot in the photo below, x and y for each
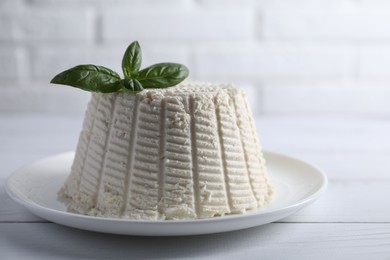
(293, 207)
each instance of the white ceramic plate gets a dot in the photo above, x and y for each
(35, 186)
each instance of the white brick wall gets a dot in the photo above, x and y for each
(272, 59)
(52, 25)
(328, 96)
(337, 24)
(175, 24)
(374, 61)
(9, 64)
(292, 57)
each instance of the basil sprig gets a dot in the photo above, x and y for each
(100, 79)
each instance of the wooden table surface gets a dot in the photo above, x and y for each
(350, 221)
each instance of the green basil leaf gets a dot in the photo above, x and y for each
(162, 75)
(132, 85)
(89, 77)
(132, 59)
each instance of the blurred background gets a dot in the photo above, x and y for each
(293, 57)
(317, 73)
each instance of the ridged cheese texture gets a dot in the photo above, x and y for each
(185, 152)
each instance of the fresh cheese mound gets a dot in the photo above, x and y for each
(184, 152)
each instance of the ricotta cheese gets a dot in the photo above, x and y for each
(185, 152)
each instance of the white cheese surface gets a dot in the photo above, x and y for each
(185, 152)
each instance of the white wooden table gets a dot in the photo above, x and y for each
(350, 221)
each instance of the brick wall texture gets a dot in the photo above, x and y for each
(292, 57)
